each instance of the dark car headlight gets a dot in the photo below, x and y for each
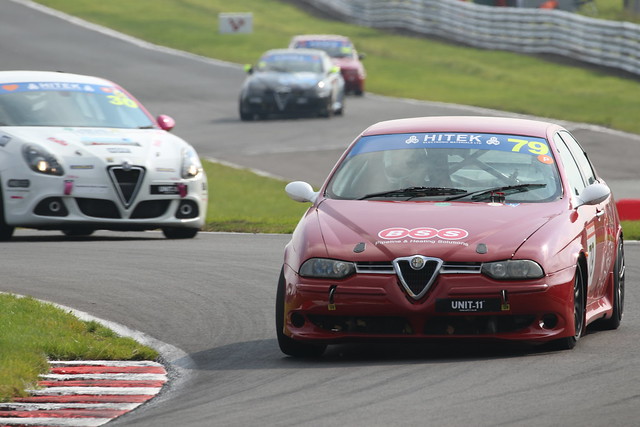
(41, 160)
(521, 269)
(324, 268)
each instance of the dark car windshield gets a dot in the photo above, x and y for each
(447, 167)
(69, 104)
(291, 63)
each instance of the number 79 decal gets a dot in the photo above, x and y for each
(533, 147)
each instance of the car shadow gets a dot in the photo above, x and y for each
(265, 354)
(57, 236)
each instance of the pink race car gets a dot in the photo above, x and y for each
(453, 228)
(343, 54)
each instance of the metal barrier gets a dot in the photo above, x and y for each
(612, 44)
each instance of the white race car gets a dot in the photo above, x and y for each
(79, 153)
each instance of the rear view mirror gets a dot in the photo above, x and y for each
(165, 122)
(301, 192)
(594, 194)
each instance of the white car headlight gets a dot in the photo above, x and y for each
(327, 268)
(191, 166)
(41, 160)
(513, 270)
(323, 89)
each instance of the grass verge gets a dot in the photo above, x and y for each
(412, 67)
(32, 331)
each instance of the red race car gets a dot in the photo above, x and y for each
(449, 228)
(343, 54)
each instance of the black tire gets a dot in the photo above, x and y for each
(327, 110)
(618, 291)
(6, 231)
(579, 307)
(287, 345)
(179, 232)
(244, 115)
(78, 232)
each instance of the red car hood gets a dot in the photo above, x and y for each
(450, 231)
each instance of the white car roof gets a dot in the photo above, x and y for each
(18, 76)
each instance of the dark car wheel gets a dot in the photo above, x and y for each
(179, 233)
(579, 307)
(244, 116)
(327, 109)
(618, 290)
(287, 345)
(6, 231)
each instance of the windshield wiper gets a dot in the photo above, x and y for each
(506, 189)
(416, 192)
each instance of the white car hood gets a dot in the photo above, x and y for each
(91, 147)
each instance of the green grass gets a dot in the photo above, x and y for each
(241, 201)
(32, 332)
(397, 65)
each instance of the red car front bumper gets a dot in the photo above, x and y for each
(374, 306)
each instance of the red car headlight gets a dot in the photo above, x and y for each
(513, 270)
(324, 268)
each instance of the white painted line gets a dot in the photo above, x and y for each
(66, 391)
(118, 363)
(19, 406)
(130, 377)
(55, 422)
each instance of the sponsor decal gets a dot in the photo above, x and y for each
(512, 143)
(109, 141)
(18, 183)
(395, 233)
(118, 150)
(165, 189)
(90, 189)
(82, 167)
(591, 252)
(445, 236)
(58, 141)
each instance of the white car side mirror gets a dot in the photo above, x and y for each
(594, 194)
(301, 191)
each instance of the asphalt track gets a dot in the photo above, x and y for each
(212, 297)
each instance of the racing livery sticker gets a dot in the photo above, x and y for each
(537, 147)
(591, 251)
(449, 235)
(115, 96)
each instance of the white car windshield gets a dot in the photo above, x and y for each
(69, 105)
(447, 167)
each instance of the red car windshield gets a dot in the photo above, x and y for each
(448, 166)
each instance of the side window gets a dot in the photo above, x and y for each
(581, 158)
(576, 182)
